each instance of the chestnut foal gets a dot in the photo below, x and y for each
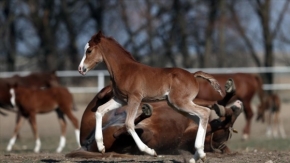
(134, 82)
(30, 102)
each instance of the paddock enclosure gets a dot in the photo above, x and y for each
(259, 148)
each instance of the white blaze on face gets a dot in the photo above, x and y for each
(12, 99)
(84, 57)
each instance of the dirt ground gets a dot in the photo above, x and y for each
(258, 149)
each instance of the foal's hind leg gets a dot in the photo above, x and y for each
(32, 121)
(63, 130)
(132, 108)
(203, 113)
(19, 122)
(75, 123)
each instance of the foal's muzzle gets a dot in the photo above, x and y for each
(82, 70)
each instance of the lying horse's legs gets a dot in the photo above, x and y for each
(32, 121)
(19, 122)
(108, 106)
(132, 108)
(230, 90)
(63, 130)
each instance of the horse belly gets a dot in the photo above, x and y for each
(46, 106)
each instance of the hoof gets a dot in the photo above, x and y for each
(155, 154)
(147, 110)
(103, 151)
(237, 108)
(245, 137)
(203, 159)
(230, 86)
(192, 160)
(150, 151)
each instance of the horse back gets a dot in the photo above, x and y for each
(151, 82)
(247, 85)
(42, 100)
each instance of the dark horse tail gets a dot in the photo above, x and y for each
(211, 79)
(82, 153)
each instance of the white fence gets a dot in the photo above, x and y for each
(101, 74)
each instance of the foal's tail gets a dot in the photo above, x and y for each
(82, 153)
(211, 79)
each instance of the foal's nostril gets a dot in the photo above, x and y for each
(84, 69)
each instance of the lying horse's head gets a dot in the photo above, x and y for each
(92, 55)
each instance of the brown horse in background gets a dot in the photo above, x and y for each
(31, 101)
(247, 85)
(272, 108)
(167, 133)
(134, 82)
(34, 80)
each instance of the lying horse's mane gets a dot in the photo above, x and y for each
(97, 39)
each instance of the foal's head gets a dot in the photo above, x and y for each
(92, 55)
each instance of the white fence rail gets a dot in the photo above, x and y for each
(101, 74)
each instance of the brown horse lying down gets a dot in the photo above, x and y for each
(34, 80)
(247, 85)
(166, 133)
(271, 106)
(30, 102)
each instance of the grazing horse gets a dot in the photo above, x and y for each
(134, 82)
(167, 133)
(34, 80)
(247, 85)
(30, 102)
(272, 106)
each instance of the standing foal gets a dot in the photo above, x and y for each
(134, 82)
(31, 102)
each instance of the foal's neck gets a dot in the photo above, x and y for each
(116, 58)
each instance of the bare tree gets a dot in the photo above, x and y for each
(263, 10)
(8, 33)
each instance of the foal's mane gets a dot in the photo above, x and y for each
(97, 39)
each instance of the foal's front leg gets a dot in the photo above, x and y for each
(19, 122)
(108, 106)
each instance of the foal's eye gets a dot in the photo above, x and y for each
(89, 51)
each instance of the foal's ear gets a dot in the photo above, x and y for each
(97, 37)
(100, 34)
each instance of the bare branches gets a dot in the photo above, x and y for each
(181, 33)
